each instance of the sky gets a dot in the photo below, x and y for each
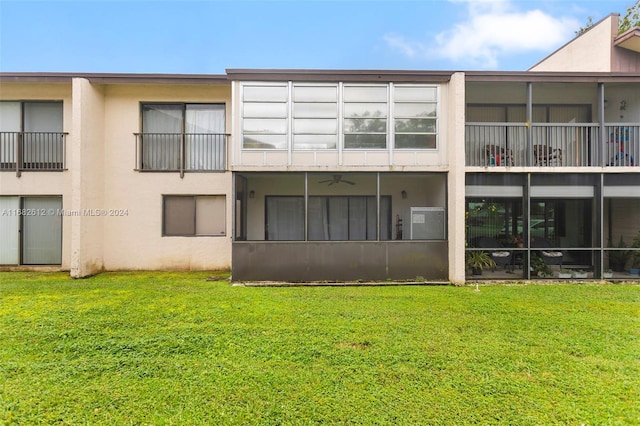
(210, 36)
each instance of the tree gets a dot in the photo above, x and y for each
(631, 19)
(588, 25)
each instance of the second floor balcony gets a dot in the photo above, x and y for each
(181, 152)
(32, 151)
(552, 144)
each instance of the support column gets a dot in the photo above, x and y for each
(455, 146)
(86, 148)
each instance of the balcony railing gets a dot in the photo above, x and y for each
(181, 152)
(552, 144)
(32, 151)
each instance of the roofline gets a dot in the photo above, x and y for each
(112, 78)
(573, 39)
(551, 77)
(339, 75)
(322, 76)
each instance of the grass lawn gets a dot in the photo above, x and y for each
(172, 348)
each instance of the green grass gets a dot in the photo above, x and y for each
(172, 348)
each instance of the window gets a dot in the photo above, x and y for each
(415, 112)
(194, 215)
(323, 116)
(31, 229)
(31, 136)
(315, 117)
(264, 116)
(365, 116)
(178, 137)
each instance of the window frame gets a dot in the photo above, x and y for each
(289, 116)
(194, 197)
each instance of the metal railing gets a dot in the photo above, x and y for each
(181, 152)
(32, 151)
(551, 144)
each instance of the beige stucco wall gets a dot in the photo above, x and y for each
(133, 240)
(591, 51)
(43, 183)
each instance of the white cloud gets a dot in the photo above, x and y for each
(492, 29)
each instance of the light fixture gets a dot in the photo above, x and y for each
(403, 193)
(252, 193)
(606, 104)
(623, 105)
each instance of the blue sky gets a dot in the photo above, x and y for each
(207, 37)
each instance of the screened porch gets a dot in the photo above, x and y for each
(340, 226)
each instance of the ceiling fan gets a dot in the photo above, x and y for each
(337, 179)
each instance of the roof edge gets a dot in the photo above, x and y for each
(338, 75)
(65, 77)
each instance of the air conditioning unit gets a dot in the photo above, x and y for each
(426, 223)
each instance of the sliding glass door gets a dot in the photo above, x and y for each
(30, 230)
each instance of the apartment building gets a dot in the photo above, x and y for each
(317, 175)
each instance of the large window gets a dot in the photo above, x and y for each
(31, 230)
(177, 137)
(31, 136)
(194, 215)
(349, 116)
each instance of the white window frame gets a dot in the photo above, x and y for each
(289, 116)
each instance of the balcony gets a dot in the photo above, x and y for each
(552, 145)
(181, 152)
(32, 151)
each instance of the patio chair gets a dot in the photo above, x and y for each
(501, 156)
(544, 155)
(493, 246)
(550, 257)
